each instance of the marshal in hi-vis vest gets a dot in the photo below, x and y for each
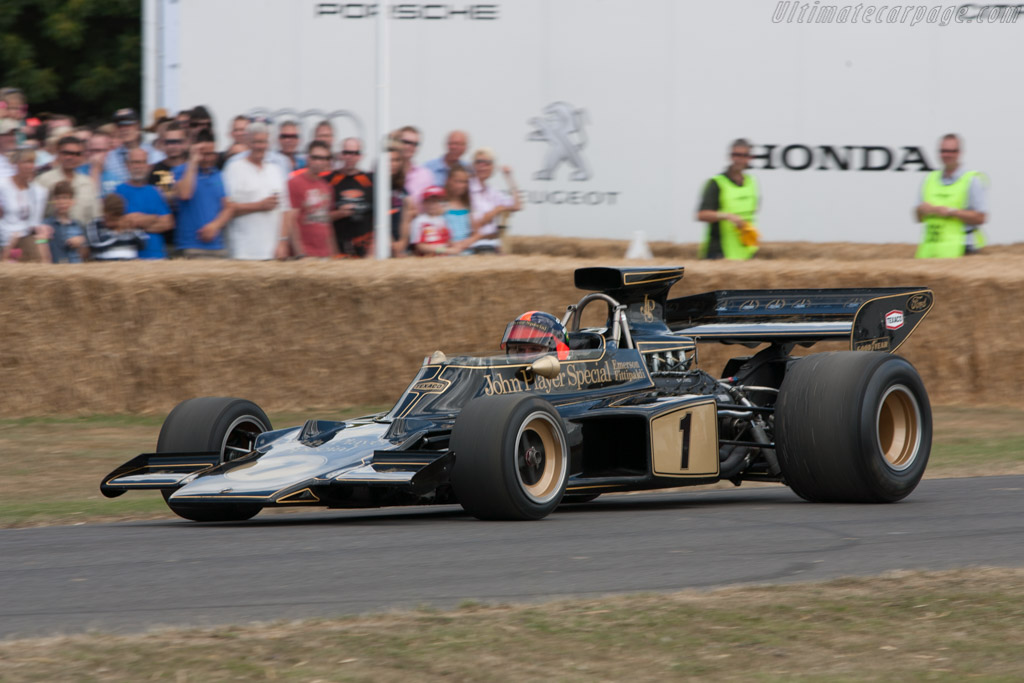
(945, 237)
(742, 201)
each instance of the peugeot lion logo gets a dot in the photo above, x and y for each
(559, 123)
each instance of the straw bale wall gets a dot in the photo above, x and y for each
(139, 337)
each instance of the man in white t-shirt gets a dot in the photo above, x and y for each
(263, 223)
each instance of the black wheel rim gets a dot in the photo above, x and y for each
(530, 458)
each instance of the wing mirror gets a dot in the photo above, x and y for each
(435, 358)
(546, 366)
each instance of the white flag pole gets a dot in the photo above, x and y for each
(382, 178)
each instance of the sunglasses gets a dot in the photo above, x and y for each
(69, 153)
(320, 157)
(174, 141)
(351, 152)
(411, 143)
(289, 136)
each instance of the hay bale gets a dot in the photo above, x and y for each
(139, 337)
(772, 251)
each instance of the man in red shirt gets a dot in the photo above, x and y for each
(311, 197)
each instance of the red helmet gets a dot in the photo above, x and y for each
(537, 328)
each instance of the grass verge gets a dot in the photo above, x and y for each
(944, 626)
(51, 468)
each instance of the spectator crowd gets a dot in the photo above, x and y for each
(71, 193)
(116, 191)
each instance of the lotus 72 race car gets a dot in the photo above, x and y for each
(620, 407)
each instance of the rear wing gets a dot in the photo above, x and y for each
(872, 319)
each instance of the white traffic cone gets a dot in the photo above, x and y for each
(638, 248)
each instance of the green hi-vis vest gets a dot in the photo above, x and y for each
(946, 237)
(742, 201)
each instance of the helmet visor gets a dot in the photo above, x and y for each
(527, 332)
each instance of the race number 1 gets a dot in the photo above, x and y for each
(684, 427)
(684, 440)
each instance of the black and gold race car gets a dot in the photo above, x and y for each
(619, 407)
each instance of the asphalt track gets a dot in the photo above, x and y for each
(133, 576)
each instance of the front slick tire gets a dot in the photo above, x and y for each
(228, 426)
(853, 427)
(511, 458)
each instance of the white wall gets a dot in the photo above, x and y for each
(665, 85)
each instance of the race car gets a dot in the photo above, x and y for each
(565, 413)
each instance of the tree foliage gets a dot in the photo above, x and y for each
(79, 57)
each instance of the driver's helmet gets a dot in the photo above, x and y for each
(536, 332)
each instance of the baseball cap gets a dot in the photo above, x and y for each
(126, 117)
(433, 192)
(8, 126)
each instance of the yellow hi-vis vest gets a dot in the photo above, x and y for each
(742, 201)
(945, 237)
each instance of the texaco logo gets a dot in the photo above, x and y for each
(894, 319)
(561, 126)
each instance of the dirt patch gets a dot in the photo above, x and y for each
(139, 337)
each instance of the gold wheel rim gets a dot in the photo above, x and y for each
(540, 475)
(899, 428)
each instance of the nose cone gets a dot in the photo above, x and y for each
(288, 462)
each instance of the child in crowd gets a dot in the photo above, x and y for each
(459, 205)
(109, 237)
(68, 242)
(429, 232)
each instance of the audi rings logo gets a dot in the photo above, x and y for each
(345, 123)
(562, 126)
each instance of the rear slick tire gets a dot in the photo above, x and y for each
(228, 426)
(511, 458)
(853, 427)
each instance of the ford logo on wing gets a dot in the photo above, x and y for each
(919, 302)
